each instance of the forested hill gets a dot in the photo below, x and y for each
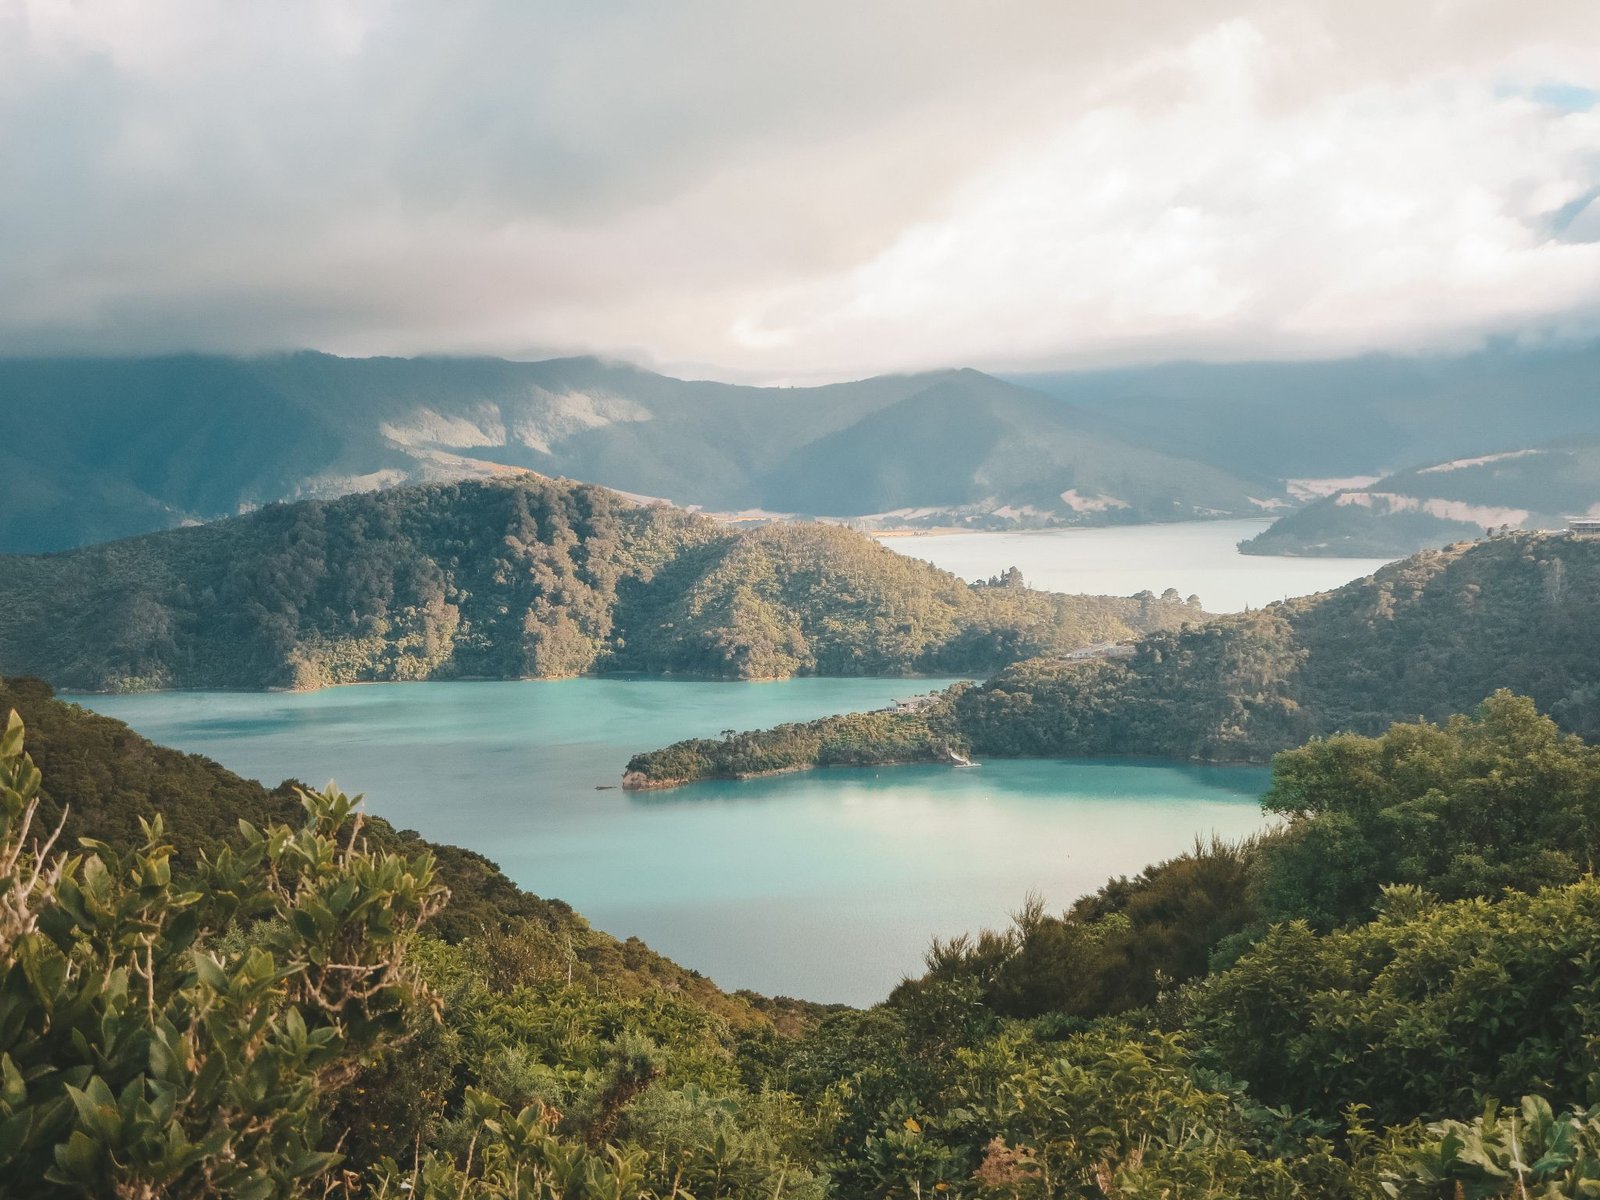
(523, 576)
(1427, 636)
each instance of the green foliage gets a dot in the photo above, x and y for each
(1217, 692)
(853, 739)
(547, 1089)
(262, 1011)
(1108, 1112)
(102, 780)
(512, 578)
(1496, 800)
(1529, 1151)
(142, 1057)
(1425, 1011)
(1114, 950)
(260, 1014)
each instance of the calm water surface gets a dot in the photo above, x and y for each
(825, 885)
(1196, 557)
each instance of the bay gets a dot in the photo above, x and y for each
(826, 885)
(1196, 557)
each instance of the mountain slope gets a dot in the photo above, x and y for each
(1430, 635)
(1429, 506)
(512, 578)
(972, 443)
(102, 448)
(1371, 415)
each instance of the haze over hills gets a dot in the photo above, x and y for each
(1371, 415)
(1536, 488)
(104, 448)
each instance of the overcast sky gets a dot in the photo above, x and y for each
(787, 191)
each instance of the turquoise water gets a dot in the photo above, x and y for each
(826, 885)
(1196, 557)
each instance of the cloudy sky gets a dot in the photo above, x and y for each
(785, 191)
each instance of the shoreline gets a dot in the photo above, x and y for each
(948, 530)
(615, 676)
(666, 785)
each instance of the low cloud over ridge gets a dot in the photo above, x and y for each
(830, 188)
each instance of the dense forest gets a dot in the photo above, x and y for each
(1427, 636)
(517, 577)
(1388, 995)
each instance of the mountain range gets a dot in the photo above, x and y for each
(1367, 416)
(106, 448)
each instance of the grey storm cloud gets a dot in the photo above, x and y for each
(793, 190)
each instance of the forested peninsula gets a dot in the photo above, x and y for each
(518, 577)
(1427, 636)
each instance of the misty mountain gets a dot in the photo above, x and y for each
(105, 448)
(969, 440)
(1445, 502)
(1366, 416)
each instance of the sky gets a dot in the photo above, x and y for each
(782, 191)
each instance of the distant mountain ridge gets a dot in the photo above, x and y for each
(105, 448)
(1371, 415)
(1459, 499)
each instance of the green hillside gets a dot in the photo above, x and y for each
(1428, 636)
(106, 448)
(1389, 996)
(1434, 505)
(519, 577)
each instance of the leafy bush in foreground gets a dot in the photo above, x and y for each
(144, 1052)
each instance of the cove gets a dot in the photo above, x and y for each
(826, 885)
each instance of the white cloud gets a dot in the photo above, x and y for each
(823, 189)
